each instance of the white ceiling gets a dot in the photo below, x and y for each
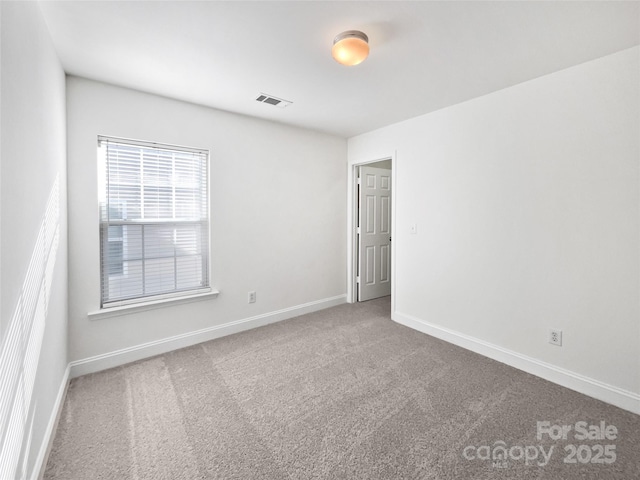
(425, 55)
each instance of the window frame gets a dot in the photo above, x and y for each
(151, 299)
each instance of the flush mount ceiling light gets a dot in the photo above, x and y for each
(350, 47)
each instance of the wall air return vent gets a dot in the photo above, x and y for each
(271, 100)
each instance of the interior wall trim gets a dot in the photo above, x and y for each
(49, 434)
(611, 394)
(164, 345)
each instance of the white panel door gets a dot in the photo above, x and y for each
(374, 233)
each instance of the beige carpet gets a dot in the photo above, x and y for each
(345, 393)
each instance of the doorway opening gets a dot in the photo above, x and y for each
(371, 232)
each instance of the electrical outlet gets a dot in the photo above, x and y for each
(555, 337)
(413, 229)
(252, 297)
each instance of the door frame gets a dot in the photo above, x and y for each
(352, 222)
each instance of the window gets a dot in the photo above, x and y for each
(154, 225)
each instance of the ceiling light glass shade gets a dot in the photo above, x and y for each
(350, 47)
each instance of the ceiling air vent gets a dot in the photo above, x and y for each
(271, 100)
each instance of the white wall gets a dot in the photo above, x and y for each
(33, 245)
(527, 207)
(277, 211)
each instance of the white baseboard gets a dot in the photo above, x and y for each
(157, 347)
(47, 439)
(593, 388)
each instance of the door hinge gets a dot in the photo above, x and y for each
(358, 279)
(358, 230)
(359, 182)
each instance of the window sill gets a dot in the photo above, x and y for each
(152, 305)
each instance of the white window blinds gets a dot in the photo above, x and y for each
(154, 225)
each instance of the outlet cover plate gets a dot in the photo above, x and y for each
(555, 337)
